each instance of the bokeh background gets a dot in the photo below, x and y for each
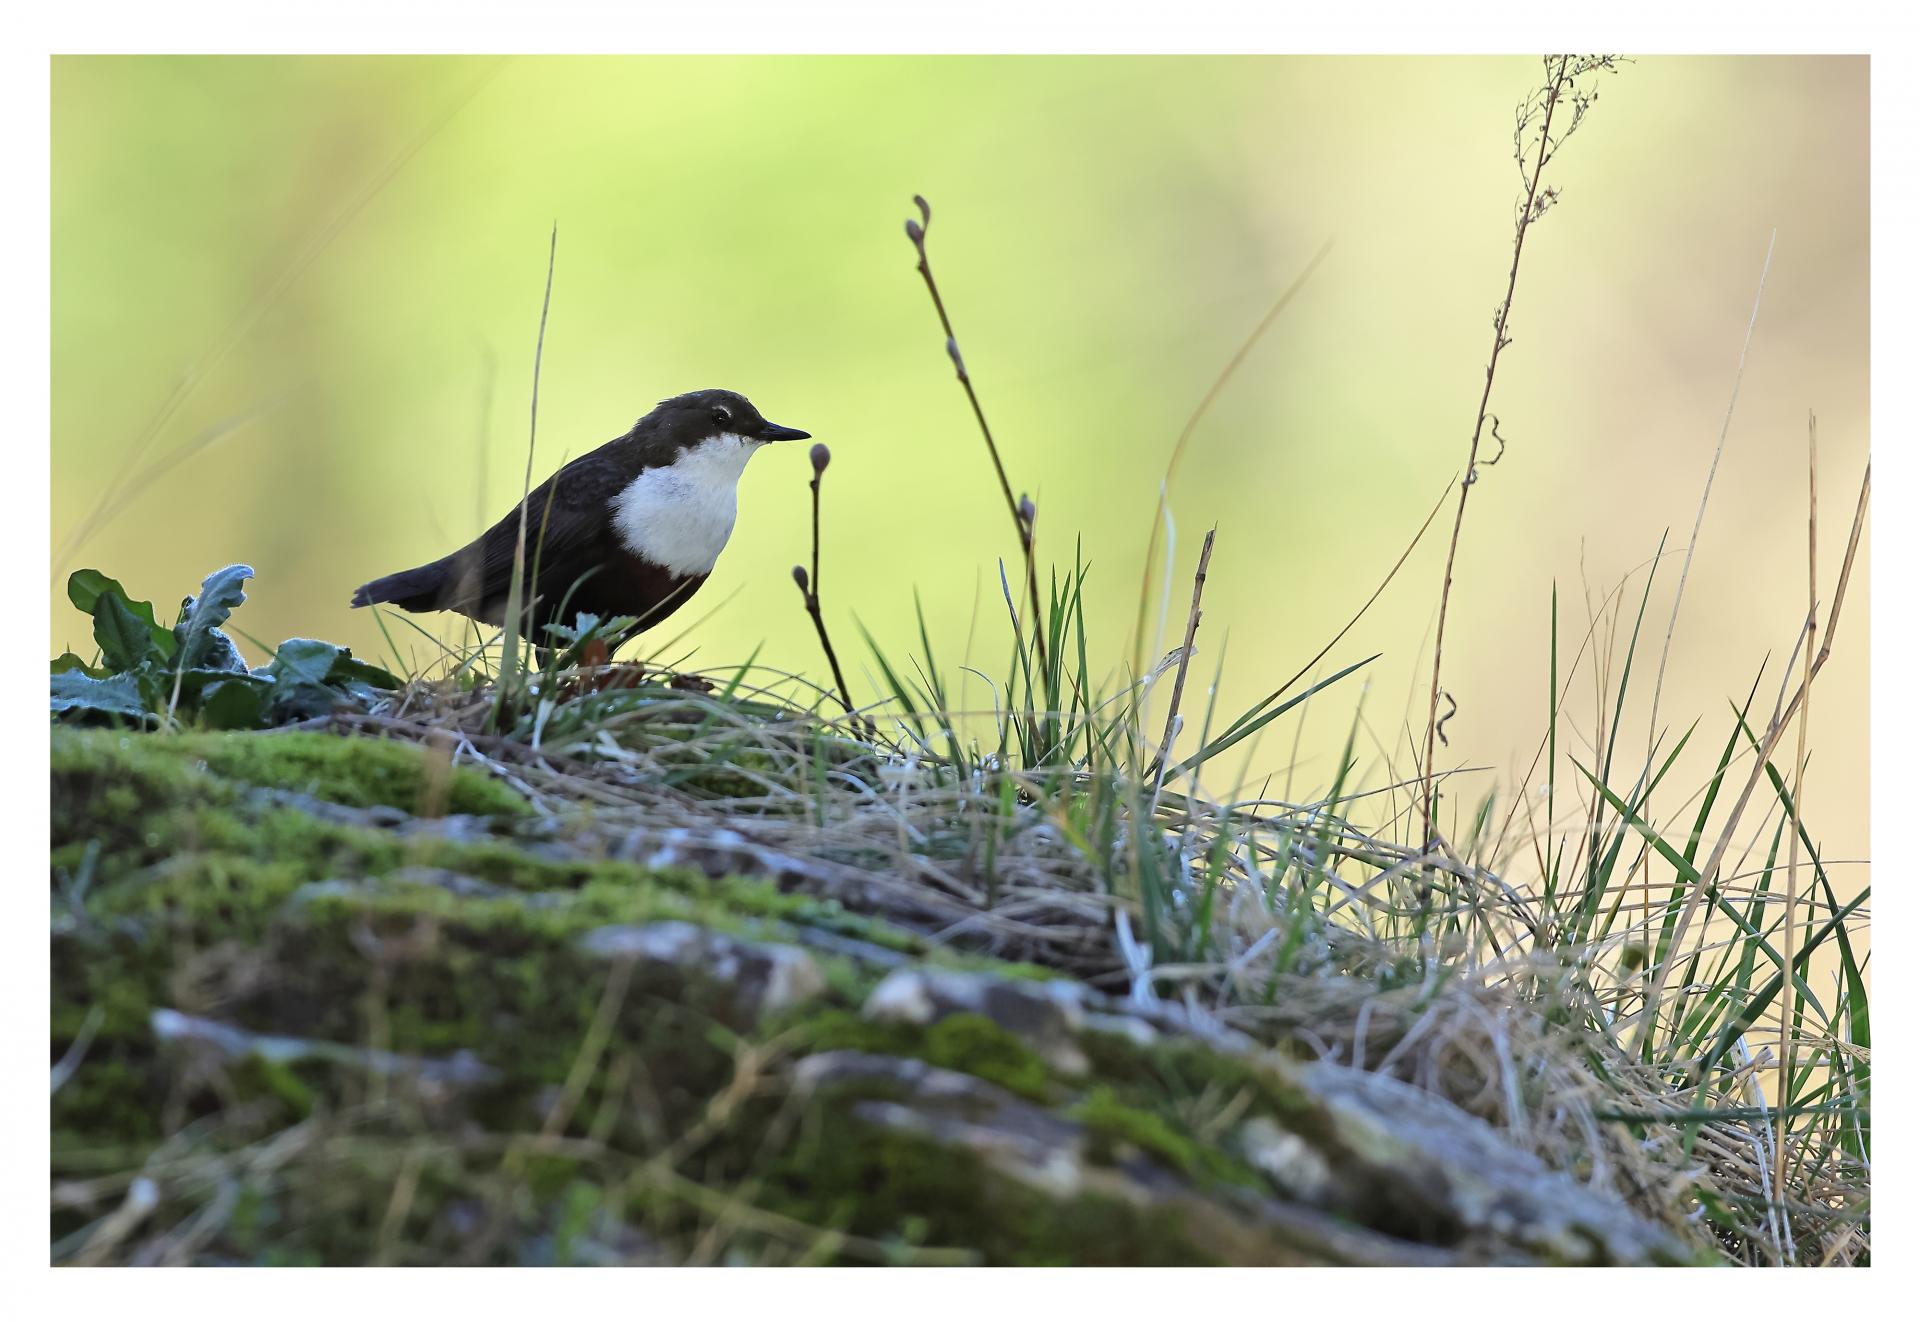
(322, 278)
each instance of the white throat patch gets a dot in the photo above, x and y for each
(679, 516)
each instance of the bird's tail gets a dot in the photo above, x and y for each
(411, 589)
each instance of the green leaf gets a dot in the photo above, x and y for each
(222, 654)
(68, 661)
(223, 590)
(583, 626)
(77, 693)
(303, 661)
(1681, 865)
(353, 692)
(299, 701)
(195, 684)
(348, 669)
(125, 643)
(86, 588)
(239, 703)
(156, 688)
(1750, 1014)
(1250, 724)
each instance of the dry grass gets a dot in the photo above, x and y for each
(1295, 924)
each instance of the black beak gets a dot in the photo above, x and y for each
(773, 431)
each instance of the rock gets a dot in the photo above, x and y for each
(1050, 1156)
(337, 1037)
(762, 979)
(1296, 1169)
(462, 1069)
(1046, 1015)
(1454, 1167)
(1024, 1141)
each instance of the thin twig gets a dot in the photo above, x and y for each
(586, 1061)
(69, 1063)
(1365, 607)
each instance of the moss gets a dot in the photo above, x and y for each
(1113, 1127)
(1187, 1070)
(360, 773)
(876, 1182)
(202, 898)
(968, 1043)
(122, 795)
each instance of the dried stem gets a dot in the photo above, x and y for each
(1022, 524)
(1186, 657)
(1558, 87)
(1789, 989)
(510, 639)
(1775, 729)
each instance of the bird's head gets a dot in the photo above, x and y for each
(709, 420)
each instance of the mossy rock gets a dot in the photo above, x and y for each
(302, 1023)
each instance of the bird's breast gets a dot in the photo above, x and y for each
(678, 517)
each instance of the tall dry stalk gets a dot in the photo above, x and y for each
(1709, 872)
(1560, 87)
(1186, 657)
(516, 590)
(1789, 989)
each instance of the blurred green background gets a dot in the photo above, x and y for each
(346, 256)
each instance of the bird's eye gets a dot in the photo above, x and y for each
(722, 417)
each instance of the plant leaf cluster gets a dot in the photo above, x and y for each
(148, 673)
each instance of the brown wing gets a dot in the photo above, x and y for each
(567, 533)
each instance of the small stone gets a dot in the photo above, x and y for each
(1137, 1031)
(1047, 1016)
(1296, 1169)
(765, 978)
(462, 1069)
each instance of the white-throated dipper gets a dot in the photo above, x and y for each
(633, 528)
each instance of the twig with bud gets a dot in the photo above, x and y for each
(1020, 510)
(809, 584)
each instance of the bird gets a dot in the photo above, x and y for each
(632, 528)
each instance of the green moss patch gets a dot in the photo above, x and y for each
(358, 773)
(1113, 1127)
(897, 1187)
(969, 1043)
